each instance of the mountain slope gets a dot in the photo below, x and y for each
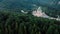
(50, 7)
(19, 23)
(28, 4)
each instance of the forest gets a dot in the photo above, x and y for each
(19, 23)
(13, 21)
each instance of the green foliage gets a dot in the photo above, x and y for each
(51, 12)
(19, 23)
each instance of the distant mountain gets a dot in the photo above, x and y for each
(28, 4)
(50, 7)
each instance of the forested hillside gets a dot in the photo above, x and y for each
(19, 23)
(51, 12)
(15, 21)
(29, 4)
(50, 7)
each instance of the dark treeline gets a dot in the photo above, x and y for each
(13, 23)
